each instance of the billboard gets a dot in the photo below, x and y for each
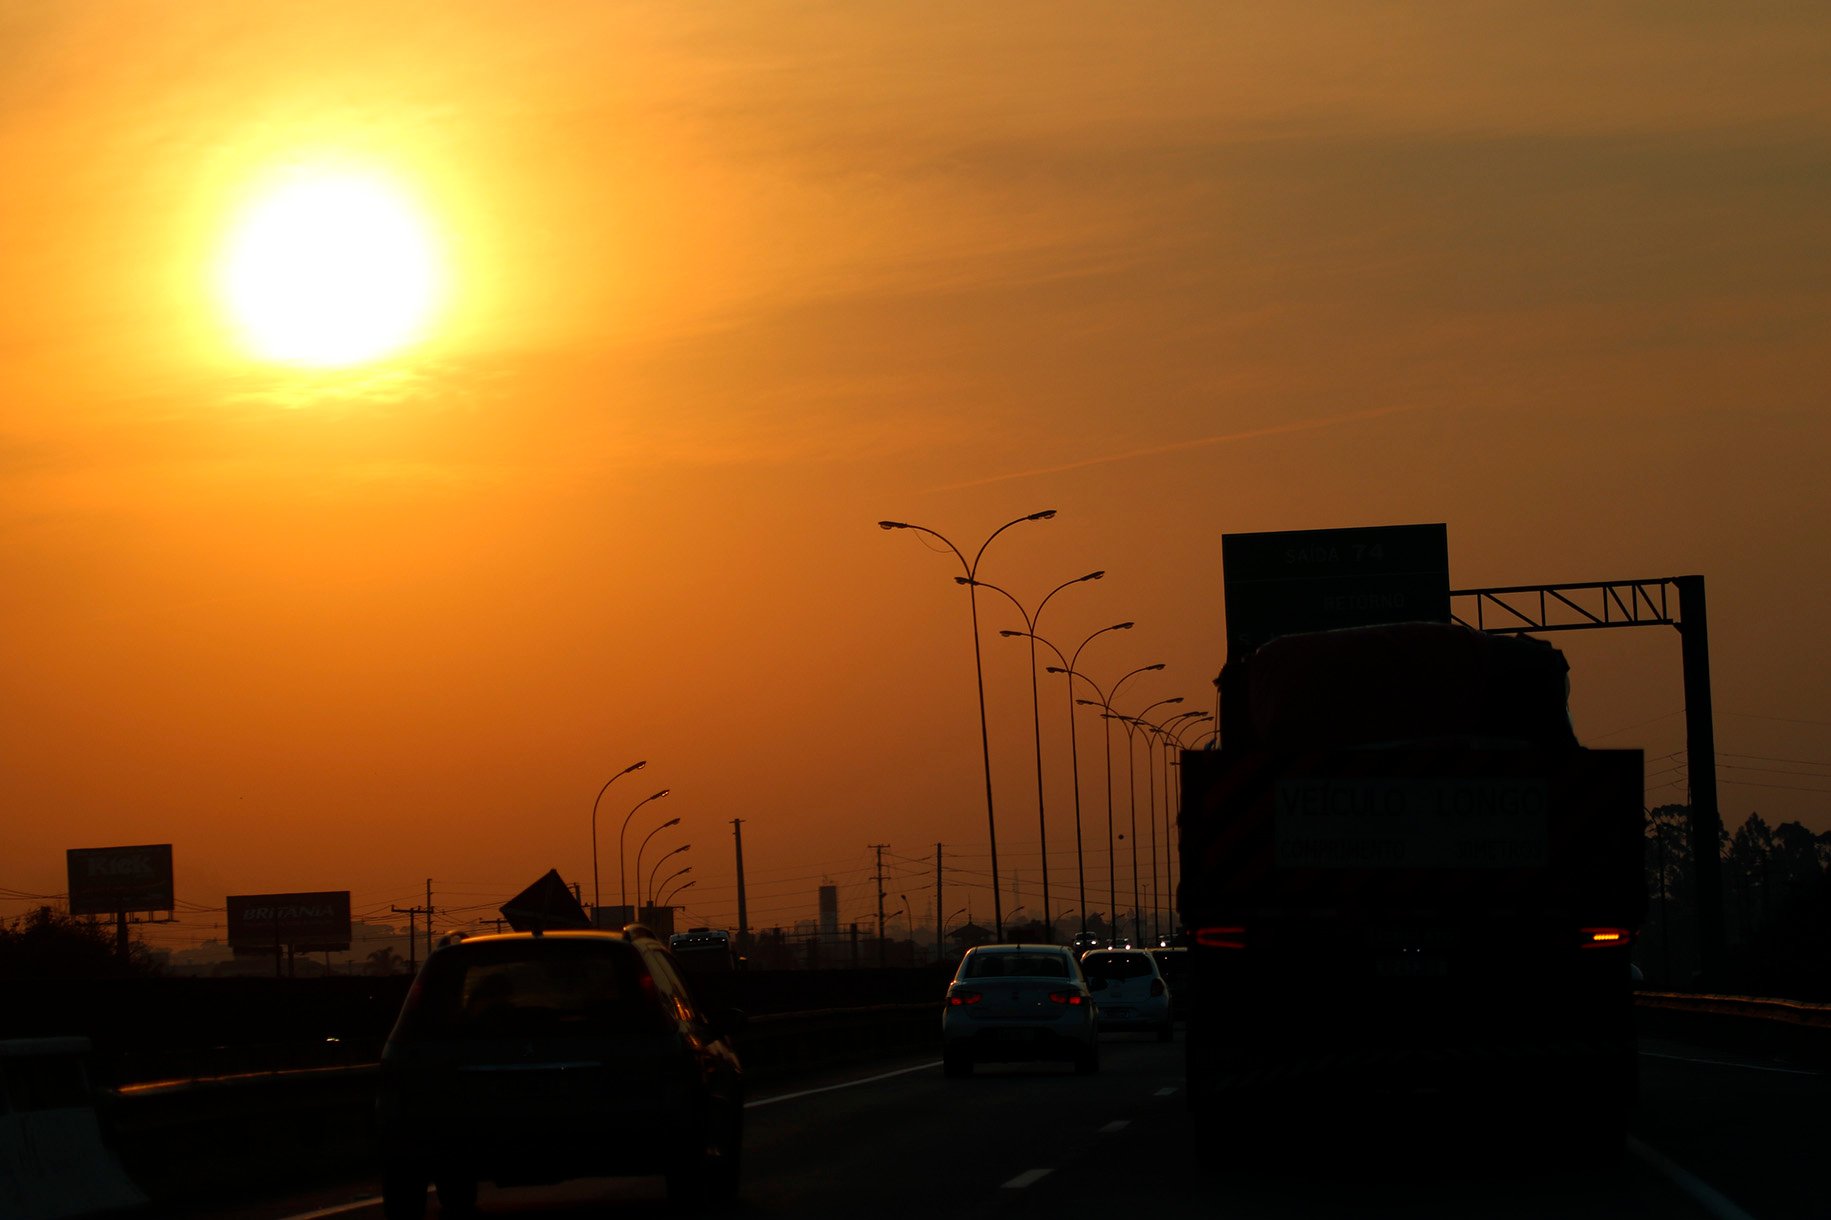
(108, 880)
(315, 922)
(1287, 581)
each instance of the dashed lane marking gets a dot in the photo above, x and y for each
(1029, 1177)
(1118, 1124)
(1166, 1092)
(846, 1084)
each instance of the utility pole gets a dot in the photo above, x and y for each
(429, 917)
(940, 910)
(882, 952)
(743, 911)
(413, 932)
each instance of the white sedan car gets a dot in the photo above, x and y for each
(1019, 1002)
(1129, 990)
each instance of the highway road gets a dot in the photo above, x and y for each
(1719, 1136)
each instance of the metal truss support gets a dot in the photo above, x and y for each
(1670, 601)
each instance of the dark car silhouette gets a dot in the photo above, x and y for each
(531, 1058)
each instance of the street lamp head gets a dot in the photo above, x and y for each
(965, 580)
(1090, 703)
(1042, 516)
(670, 822)
(892, 525)
(1120, 627)
(1159, 665)
(1008, 634)
(1054, 669)
(635, 766)
(660, 794)
(1093, 575)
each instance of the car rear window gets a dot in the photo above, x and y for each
(1116, 965)
(528, 989)
(1017, 965)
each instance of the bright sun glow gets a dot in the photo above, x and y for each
(331, 269)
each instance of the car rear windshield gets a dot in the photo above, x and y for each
(1017, 965)
(529, 989)
(1116, 965)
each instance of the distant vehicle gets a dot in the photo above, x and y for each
(531, 1058)
(1403, 872)
(1129, 991)
(704, 949)
(1019, 1002)
(1173, 965)
(1084, 941)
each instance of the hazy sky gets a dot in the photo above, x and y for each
(730, 283)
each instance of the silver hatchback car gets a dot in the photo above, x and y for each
(1019, 1002)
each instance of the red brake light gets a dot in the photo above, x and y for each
(1603, 938)
(959, 999)
(1230, 937)
(1156, 986)
(1073, 999)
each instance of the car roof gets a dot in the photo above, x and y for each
(1016, 947)
(601, 935)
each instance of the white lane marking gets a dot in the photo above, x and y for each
(1705, 1195)
(846, 1084)
(1169, 1092)
(1029, 1177)
(352, 1205)
(1725, 1063)
(1118, 1124)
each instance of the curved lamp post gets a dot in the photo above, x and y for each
(1105, 703)
(596, 899)
(1036, 716)
(1074, 749)
(941, 934)
(666, 881)
(643, 847)
(657, 869)
(1131, 782)
(622, 878)
(669, 900)
(1161, 732)
(985, 740)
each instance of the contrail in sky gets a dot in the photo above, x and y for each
(1198, 442)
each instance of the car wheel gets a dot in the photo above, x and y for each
(403, 1193)
(1088, 1061)
(709, 1171)
(956, 1063)
(457, 1196)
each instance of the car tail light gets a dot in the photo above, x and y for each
(1073, 999)
(960, 999)
(1156, 986)
(1603, 938)
(1229, 937)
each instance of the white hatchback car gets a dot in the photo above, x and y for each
(1128, 990)
(1019, 1002)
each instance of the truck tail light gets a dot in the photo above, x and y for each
(1602, 938)
(960, 999)
(1073, 999)
(1228, 937)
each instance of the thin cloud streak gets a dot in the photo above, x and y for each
(1199, 442)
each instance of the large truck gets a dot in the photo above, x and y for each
(1401, 873)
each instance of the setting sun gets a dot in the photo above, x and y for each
(331, 269)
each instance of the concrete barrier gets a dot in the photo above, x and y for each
(54, 1161)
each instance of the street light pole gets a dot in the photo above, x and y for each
(651, 834)
(985, 737)
(1150, 814)
(596, 898)
(1036, 717)
(657, 868)
(1074, 756)
(1159, 734)
(669, 900)
(622, 835)
(1105, 704)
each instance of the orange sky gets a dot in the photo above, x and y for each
(734, 282)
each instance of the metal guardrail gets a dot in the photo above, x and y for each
(1750, 1008)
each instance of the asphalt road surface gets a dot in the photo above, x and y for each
(1717, 1136)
